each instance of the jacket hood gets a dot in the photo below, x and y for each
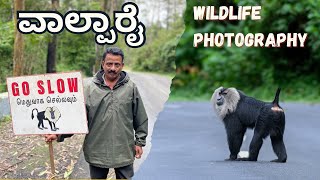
(124, 78)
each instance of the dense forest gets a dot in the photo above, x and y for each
(23, 54)
(257, 71)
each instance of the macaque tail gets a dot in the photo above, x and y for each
(32, 112)
(276, 98)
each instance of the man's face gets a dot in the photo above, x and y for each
(112, 66)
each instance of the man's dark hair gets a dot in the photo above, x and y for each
(114, 51)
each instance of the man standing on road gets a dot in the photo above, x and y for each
(117, 120)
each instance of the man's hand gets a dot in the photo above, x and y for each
(139, 152)
(50, 137)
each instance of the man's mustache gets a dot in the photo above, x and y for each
(112, 72)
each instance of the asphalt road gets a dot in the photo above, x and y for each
(4, 105)
(189, 142)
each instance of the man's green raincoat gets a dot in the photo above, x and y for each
(117, 121)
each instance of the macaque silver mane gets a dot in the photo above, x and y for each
(239, 112)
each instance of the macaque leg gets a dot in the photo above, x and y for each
(279, 148)
(235, 139)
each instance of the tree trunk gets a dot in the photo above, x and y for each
(97, 63)
(51, 55)
(99, 48)
(12, 10)
(18, 58)
(168, 14)
(104, 4)
(52, 45)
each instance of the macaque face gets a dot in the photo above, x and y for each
(221, 97)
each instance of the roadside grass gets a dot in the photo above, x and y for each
(27, 157)
(4, 120)
(3, 88)
(182, 95)
(303, 94)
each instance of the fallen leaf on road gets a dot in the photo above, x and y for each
(67, 174)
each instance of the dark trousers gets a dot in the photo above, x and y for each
(125, 172)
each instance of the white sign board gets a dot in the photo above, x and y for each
(47, 104)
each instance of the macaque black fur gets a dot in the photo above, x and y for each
(266, 119)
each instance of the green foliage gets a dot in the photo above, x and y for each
(253, 69)
(76, 52)
(157, 58)
(3, 87)
(158, 54)
(5, 11)
(167, 54)
(6, 49)
(5, 119)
